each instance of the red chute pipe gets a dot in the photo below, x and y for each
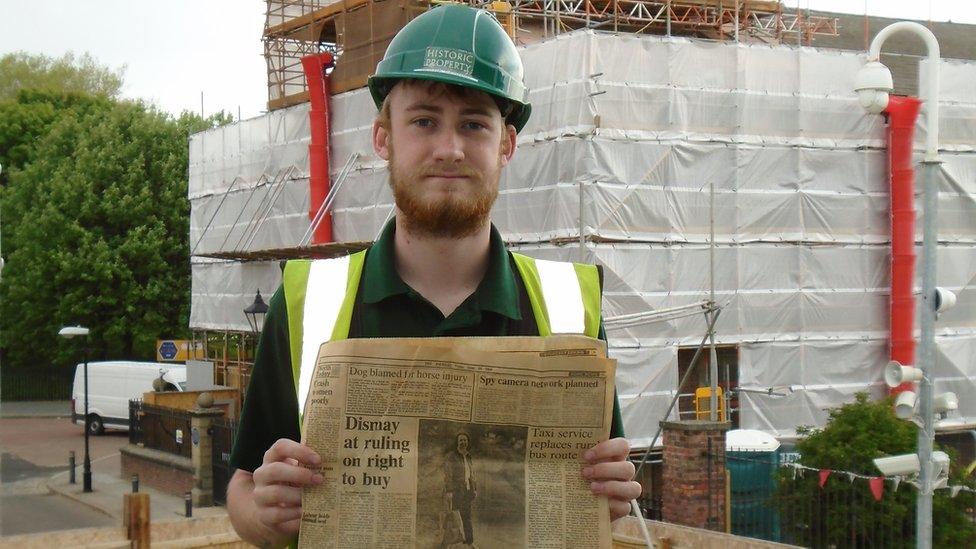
(903, 111)
(318, 147)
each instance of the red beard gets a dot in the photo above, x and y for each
(455, 215)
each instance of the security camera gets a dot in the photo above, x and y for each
(940, 469)
(905, 405)
(895, 374)
(944, 300)
(902, 465)
(873, 84)
(945, 403)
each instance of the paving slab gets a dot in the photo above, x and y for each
(41, 408)
(108, 489)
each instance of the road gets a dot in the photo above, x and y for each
(34, 449)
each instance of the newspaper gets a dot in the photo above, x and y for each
(443, 442)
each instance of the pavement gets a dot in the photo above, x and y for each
(108, 489)
(46, 471)
(44, 408)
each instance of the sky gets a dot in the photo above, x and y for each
(173, 50)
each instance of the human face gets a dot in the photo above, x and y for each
(462, 443)
(446, 148)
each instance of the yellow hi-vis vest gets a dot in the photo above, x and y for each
(565, 299)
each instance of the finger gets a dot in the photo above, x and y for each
(277, 495)
(276, 517)
(284, 448)
(282, 473)
(608, 450)
(616, 489)
(612, 470)
(619, 509)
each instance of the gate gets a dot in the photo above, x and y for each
(222, 434)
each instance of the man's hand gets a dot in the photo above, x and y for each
(611, 475)
(266, 506)
(278, 484)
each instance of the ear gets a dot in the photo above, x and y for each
(381, 140)
(508, 144)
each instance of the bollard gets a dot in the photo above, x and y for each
(188, 503)
(135, 484)
(71, 467)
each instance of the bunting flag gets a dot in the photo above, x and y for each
(877, 487)
(824, 475)
(875, 483)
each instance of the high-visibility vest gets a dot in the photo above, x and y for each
(565, 299)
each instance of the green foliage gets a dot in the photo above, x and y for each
(29, 116)
(844, 513)
(95, 227)
(65, 74)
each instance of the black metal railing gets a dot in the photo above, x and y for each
(163, 429)
(36, 384)
(223, 431)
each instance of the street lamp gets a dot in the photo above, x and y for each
(873, 83)
(255, 312)
(69, 332)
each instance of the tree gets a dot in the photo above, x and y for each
(65, 74)
(856, 434)
(96, 221)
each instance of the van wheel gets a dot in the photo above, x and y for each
(95, 425)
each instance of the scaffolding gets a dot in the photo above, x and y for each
(360, 30)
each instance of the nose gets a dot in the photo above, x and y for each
(449, 147)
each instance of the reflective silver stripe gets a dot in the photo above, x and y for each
(325, 290)
(564, 300)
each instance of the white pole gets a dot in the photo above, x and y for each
(931, 91)
(926, 353)
(712, 357)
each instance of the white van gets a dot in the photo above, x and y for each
(111, 384)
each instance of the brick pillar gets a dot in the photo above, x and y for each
(690, 498)
(201, 418)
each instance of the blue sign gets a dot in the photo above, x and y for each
(167, 350)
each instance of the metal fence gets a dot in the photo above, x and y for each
(163, 429)
(223, 431)
(782, 504)
(36, 384)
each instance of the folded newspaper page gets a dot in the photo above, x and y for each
(444, 442)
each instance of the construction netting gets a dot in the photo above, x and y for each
(637, 147)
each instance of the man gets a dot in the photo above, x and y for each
(460, 485)
(451, 101)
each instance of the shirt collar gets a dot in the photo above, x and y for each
(498, 291)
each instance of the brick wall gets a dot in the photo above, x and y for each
(689, 496)
(165, 472)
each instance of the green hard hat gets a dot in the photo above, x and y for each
(460, 45)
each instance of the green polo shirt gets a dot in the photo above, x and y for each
(385, 306)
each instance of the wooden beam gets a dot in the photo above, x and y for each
(135, 518)
(288, 100)
(322, 13)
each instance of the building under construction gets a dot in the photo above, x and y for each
(701, 151)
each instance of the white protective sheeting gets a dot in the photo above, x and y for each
(624, 160)
(220, 290)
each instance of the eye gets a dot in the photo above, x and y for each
(473, 125)
(423, 122)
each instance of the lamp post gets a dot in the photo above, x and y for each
(873, 84)
(255, 313)
(70, 332)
